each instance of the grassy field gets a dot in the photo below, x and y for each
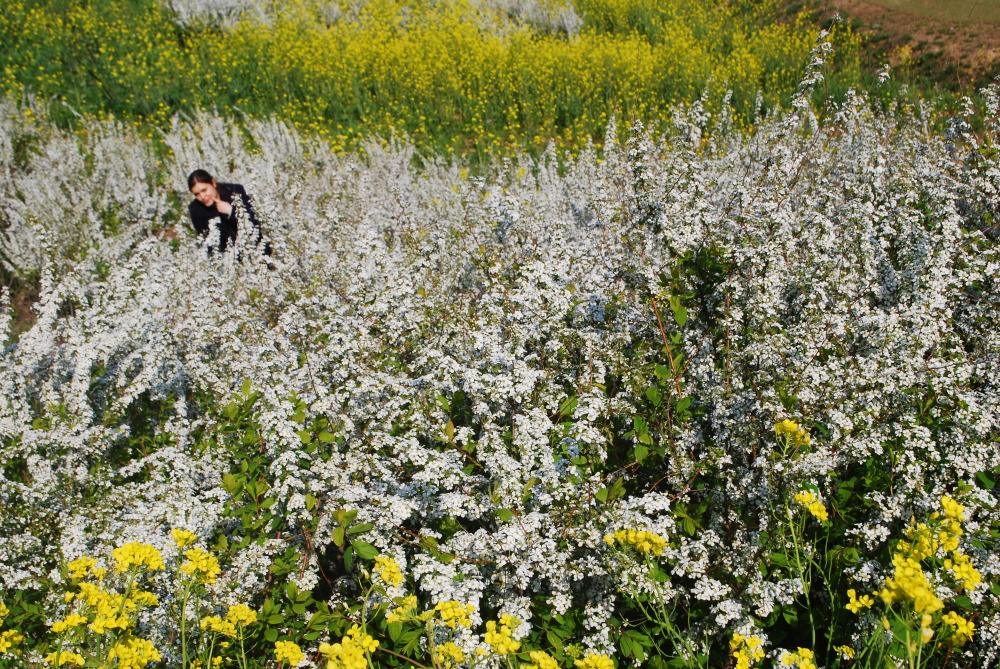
(962, 11)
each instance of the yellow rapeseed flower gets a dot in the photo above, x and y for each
(858, 603)
(499, 635)
(455, 614)
(8, 638)
(964, 629)
(241, 615)
(78, 568)
(389, 571)
(288, 651)
(595, 661)
(61, 657)
(134, 653)
(139, 555)
(201, 564)
(183, 538)
(69, 622)
(541, 660)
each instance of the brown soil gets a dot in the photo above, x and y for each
(958, 53)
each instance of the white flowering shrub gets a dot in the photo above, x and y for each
(482, 377)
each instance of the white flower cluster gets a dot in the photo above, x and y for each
(480, 346)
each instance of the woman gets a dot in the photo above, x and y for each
(214, 200)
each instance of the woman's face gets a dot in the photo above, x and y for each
(207, 194)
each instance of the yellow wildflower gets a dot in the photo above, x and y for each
(448, 655)
(71, 621)
(406, 607)
(640, 540)
(541, 660)
(964, 629)
(241, 615)
(811, 503)
(389, 571)
(952, 509)
(595, 661)
(455, 614)
(858, 603)
(846, 651)
(136, 554)
(792, 433)
(202, 565)
(218, 625)
(183, 538)
(803, 659)
(78, 568)
(747, 651)
(61, 657)
(134, 653)
(288, 651)
(500, 635)
(961, 566)
(8, 638)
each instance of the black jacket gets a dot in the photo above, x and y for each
(202, 215)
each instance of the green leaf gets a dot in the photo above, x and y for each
(602, 495)
(395, 629)
(360, 529)
(231, 410)
(310, 502)
(364, 550)
(449, 430)
(338, 536)
(684, 403)
(653, 395)
(505, 514)
(348, 558)
(641, 452)
(568, 406)
(275, 619)
(327, 437)
(271, 634)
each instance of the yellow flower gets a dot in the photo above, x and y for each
(78, 568)
(967, 575)
(350, 653)
(846, 651)
(134, 653)
(8, 638)
(803, 659)
(455, 614)
(406, 607)
(500, 635)
(183, 538)
(60, 658)
(952, 509)
(71, 621)
(448, 655)
(388, 570)
(595, 661)
(640, 540)
(858, 603)
(746, 650)
(139, 555)
(202, 565)
(541, 660)
(218, 625)
(964, 629)
(792, 433)
(241, 615)
(288, 651)
(812, 504)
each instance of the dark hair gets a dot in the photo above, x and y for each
(199, 177)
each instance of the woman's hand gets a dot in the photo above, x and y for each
(223, 207)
